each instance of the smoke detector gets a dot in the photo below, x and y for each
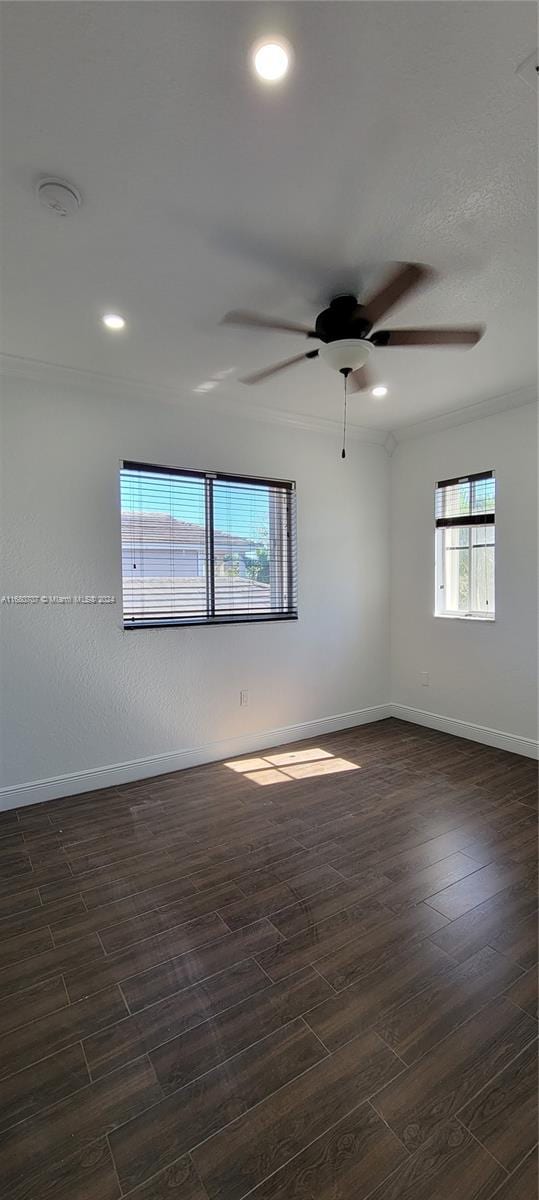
(59, 197)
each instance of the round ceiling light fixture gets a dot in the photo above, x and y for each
(348, 354)
(271, 58)
(379, 391)
(113, 321)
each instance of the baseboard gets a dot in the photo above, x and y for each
(529, 747)
(163, 764)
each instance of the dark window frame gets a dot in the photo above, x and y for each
(287, 486)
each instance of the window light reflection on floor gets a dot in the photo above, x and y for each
(269, 776)
(247, 764)
(294, 764)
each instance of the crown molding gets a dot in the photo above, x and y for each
(461, 416)
(113, 386)
(118, 387)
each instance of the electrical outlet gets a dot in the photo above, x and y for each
(425, 679)
(244, 698)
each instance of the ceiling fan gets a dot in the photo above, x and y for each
(346, 329)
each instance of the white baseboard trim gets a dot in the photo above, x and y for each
(162, 764)
(466, 729)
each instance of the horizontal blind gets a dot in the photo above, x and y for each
(469, 500)
(205, 548)
(254, 573)
(163, 545)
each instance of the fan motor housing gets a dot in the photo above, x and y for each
(341, 320)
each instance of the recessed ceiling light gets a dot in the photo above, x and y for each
(271, 59)
(379, 391)
(113, 321)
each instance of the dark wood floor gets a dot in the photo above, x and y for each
(310, 976)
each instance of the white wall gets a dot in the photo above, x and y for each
(80, 693)
(480, 672)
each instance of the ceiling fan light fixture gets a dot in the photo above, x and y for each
(348, 354)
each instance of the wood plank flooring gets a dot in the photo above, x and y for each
(308, 975)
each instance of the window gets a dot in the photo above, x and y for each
(201, 548)
(465, 543)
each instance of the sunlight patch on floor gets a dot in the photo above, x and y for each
(297, 756)
(294, 764)
(247, 764)
(270, 776)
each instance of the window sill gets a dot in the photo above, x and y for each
(204, 623)
(464, 617)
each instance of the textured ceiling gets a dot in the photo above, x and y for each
(403, 132)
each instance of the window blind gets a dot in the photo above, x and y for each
(206, 548)
(469, 500)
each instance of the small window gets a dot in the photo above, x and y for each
(465, 546)
(201, 548)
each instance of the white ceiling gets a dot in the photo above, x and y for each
(403, 132)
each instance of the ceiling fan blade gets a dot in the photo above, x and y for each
(240, 316)
(259, 376)
(406, 278)
(465, 336)
(360, 380)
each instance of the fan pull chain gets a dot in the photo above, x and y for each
(345, 373)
